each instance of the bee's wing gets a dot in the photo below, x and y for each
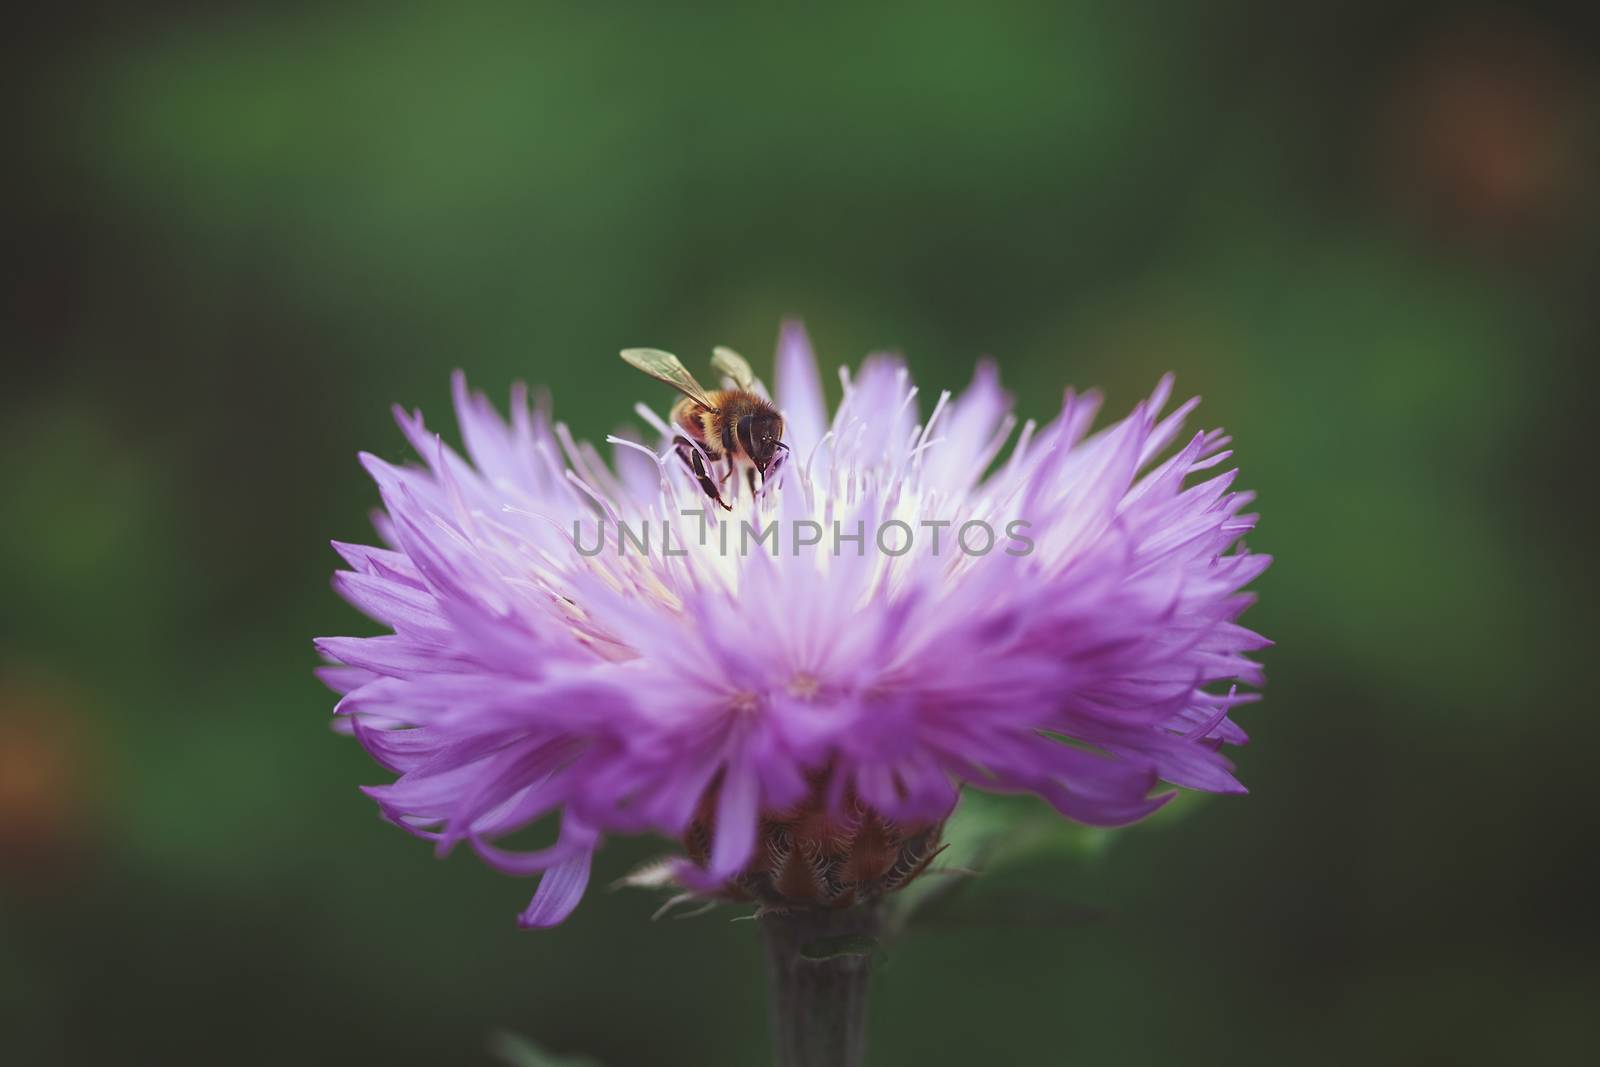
(666, 367)
(734, 366)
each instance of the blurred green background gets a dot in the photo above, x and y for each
(1365, 233)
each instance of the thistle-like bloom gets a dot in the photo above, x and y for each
(798, 688)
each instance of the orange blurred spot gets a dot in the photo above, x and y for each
(45, 783)
(1482, 132)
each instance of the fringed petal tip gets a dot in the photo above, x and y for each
(341, 679)
(560, 890)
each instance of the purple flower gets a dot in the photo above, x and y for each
(1062, 622)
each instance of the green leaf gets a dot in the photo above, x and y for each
(518, 1051)
(988, 833)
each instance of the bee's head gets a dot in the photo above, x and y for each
(761, 437)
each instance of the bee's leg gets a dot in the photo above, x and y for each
(750, 477)
(692, 459)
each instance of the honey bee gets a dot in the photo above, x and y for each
(733, 425)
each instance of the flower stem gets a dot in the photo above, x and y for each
(818, 984)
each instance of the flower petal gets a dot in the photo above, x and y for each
(799, 389)
(559, 892)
